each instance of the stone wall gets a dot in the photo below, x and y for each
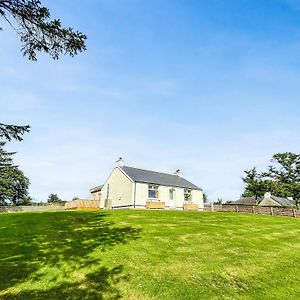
(29, 208)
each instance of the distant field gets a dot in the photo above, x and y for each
(148, 255)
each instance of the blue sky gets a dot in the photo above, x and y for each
(211, 87)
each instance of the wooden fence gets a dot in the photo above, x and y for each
(261, 210)
(82, 204)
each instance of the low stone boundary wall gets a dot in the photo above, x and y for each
(82, 204)
(261, 210)
(20, 208)
(212, 207)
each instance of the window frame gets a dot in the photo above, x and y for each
(153, 188)
(187, 195)
(171, 192)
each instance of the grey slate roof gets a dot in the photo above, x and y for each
(253, 201)
(283, 201)
(247, 201)
(96, 189)
(146, 176)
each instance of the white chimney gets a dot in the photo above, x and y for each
(120, 162)
(178, 173)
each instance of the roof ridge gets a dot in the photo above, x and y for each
(151, 171)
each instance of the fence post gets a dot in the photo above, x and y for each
(236, 208)
(212, 207)
(253, 209)
(294, 213)
(271, 211)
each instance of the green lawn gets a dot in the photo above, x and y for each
(148, 255)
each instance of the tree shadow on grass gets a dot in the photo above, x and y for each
(48, 250)
(97, 285)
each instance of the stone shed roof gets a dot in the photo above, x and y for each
(252, 201)
(283, 201)
(247, 201)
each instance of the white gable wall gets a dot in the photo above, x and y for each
(117, 190)
(141, 194)
(268, 202)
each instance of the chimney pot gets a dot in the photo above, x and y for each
(178, 172)
(120, 162)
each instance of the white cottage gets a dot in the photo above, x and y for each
(129, 187)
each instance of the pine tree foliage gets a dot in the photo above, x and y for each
(38, 32)
(53, 198)
(15, 132)
(5, 157)
(13, 184)
(254, 186)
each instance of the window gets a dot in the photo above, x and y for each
(171, 194)
(152, 191)
(187, 195)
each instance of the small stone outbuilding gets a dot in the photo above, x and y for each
(267, 200)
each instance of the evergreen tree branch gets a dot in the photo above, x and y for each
(38, 33)
(9, 132)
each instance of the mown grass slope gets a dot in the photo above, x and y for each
(148, 255)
